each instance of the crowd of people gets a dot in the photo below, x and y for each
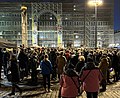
(69, 66)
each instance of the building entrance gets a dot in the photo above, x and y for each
(47, 26)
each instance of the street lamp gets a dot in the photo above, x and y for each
(95, 3)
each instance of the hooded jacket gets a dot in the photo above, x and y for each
(68, 87)
(91, 77)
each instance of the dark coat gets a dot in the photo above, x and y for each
(104, 66)
(5, 56)
(70, 72)
(23, 59)
(1, 58)
(115, 62)
(34, 64)
(79, 66)
(52, 58)
(14, 70)
(46, 67)
(74, 59)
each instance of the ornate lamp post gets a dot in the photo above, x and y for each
(24, 26)
(95, 3)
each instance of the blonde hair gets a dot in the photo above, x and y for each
(82, 58)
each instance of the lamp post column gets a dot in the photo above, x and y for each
(96, 3)
(95, 25)
(24, 26)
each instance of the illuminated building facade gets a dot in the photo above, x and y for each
(53, 24)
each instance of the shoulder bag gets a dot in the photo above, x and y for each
(80, 87)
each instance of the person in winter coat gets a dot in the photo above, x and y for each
(34, 65)
(115, 65)
(23, 60)
(104, 66)
(69, 83)
(6, 57)
(1, 62)
(61, 62)
(52, 58)
(80, 64)
(46, 69)
(15, 76)
(74, 58)
(91, 77)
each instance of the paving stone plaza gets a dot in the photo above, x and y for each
(113, 91)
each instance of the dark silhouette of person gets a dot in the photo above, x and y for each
(15, 75)
(1, 62)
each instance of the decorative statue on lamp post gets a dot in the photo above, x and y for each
(24, 26)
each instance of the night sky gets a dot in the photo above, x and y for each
(117, 15)
(116, 8)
